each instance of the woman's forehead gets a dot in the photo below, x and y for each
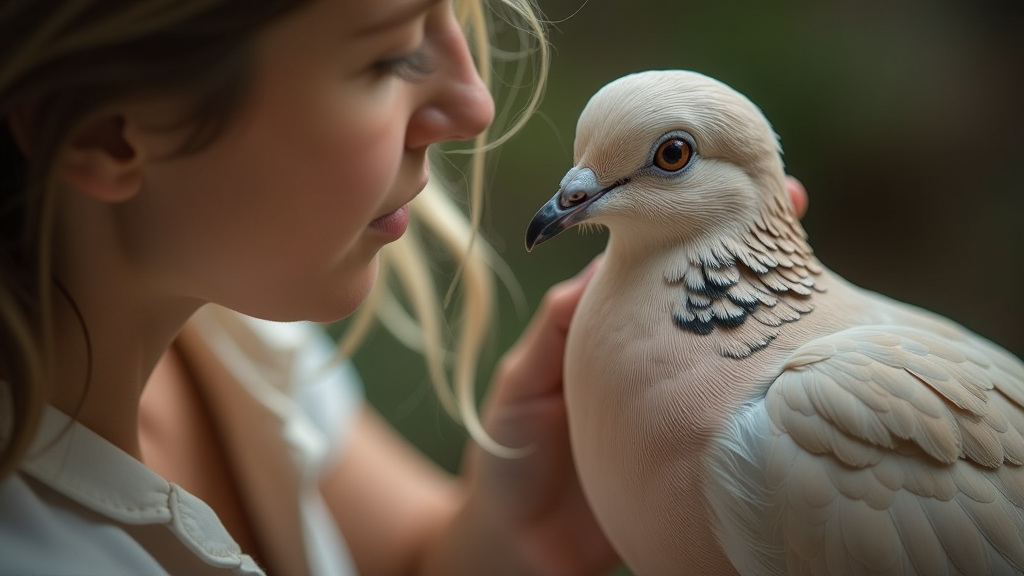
(363, 18)
(373, 16)
(333, 28)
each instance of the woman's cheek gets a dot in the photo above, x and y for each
(363, 162)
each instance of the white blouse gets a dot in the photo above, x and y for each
(81, 506)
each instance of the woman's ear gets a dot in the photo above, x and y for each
(101, 161)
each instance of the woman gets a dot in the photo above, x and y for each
(164, 155)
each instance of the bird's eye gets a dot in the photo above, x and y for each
(672, 155)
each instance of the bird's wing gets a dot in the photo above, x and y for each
(878, 450)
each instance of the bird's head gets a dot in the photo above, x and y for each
(667, 157)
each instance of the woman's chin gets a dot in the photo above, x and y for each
(331, 300)
(348, 297)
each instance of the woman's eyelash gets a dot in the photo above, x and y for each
(413, 67)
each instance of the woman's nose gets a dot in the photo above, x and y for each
(458, 106)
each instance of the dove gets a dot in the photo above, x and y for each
(734, 406)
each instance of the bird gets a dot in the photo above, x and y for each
(734, 406)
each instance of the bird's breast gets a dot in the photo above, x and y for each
(644, 400)
(634, 378)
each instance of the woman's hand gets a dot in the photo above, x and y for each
(536, 500)
(797, 195)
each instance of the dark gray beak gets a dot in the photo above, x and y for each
(567, 208)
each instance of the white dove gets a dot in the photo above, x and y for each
(734, 406)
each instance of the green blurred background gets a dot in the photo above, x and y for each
(904, 120)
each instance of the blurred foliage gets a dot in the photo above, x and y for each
(904, 120)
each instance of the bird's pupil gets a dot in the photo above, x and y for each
(673, 153)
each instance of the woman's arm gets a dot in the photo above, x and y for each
(387, 498)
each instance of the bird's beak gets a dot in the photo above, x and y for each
(568, 207)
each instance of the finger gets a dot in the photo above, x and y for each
(555, 314)
(534, 365)
(797, 195)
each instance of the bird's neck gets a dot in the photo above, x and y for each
(742, 289)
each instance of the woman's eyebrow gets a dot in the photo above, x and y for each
(395, 20)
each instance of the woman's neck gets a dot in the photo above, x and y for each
(103, 394)
(107, 340)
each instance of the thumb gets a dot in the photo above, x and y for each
(533, 367)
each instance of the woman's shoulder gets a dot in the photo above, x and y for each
(44, 532)
(80, 505)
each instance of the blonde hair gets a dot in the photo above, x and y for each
(68, 60)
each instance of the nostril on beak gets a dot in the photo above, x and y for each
(572, 195)
(576, 197)
(577, 190)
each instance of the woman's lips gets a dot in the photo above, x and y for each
(393, 224)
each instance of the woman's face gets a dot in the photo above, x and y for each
(283, 215)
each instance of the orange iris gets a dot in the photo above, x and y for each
(672, 155)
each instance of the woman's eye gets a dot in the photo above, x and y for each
(414, 67)
(672, 155)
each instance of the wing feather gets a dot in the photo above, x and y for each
(973, 484)
(1010, 484)
(870, 542)
(880, 450)
(995, 522)
(927, 478)
(923, 548)
(963, 545)
(980, 442)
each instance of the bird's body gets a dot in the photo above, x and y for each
(734, 406)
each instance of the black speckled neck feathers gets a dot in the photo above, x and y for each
(745, 288)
